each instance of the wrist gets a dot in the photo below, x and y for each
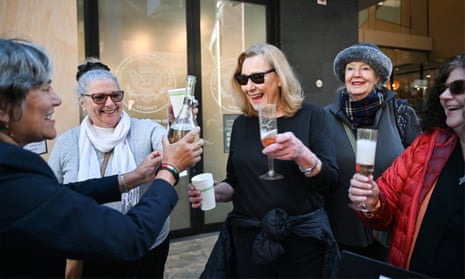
(309, 171)
(372, 213)
(172, 170)
(122, 182)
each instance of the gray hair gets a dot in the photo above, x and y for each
(94, 75)
(23, 65)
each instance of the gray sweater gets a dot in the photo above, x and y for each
(144, 136)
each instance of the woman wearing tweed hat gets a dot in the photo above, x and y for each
(364, 102)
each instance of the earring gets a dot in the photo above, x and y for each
(5, 125)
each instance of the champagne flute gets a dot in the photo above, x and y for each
(268, 131)
(365, 158)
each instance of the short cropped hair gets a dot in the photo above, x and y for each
(23, 65)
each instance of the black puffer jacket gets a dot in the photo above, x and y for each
(275, 226)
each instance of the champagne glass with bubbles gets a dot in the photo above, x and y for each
(268, 131)
(365, 158)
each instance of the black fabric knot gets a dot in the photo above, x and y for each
(275, 224)
(314, 224)
(267, 247)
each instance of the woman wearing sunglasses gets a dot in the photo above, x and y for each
(277, 228)
(420, 197)
(109, 142)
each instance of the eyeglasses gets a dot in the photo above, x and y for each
(101, 98)
(258, 78)
(455, 87)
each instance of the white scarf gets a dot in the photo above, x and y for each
(93, 139)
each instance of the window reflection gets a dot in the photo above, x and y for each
(144, 42)
(228, 27)
(389, 11)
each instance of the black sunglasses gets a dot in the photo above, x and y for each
(101, 98)
(455, 87)
(258, 78)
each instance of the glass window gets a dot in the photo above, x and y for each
(144, 42)
(390, 11)
(227, 27)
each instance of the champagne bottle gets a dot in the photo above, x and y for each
(185, 121)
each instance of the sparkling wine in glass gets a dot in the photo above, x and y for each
(365, 158)
(177, 131)
(185, 120)
(268, 131)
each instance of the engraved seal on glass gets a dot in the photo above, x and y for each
(220, 86)
(146, 79)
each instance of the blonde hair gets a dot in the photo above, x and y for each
(291, 93)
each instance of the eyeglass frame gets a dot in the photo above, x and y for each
(111, 95)
(453, 90)
(257, 78)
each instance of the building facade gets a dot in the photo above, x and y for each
(151, 45)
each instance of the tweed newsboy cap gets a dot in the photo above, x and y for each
(365, 52)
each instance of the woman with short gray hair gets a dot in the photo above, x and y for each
(42, 221)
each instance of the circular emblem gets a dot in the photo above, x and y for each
(220, 85)
(145, 78)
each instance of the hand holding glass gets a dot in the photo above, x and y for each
(184, 118)
(365, 158)
(268, 131)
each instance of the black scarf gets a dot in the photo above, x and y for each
(362, 112)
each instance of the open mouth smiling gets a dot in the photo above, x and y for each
(256, 96)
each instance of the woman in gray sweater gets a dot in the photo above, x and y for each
(109, 142)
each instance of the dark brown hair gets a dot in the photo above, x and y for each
(432, 114)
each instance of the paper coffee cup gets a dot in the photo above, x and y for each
(176, 99)
(204, 183)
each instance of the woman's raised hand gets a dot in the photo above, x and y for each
(286, 147)
(184, 153)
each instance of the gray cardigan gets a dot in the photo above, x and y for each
(144, 136)
(347, 229)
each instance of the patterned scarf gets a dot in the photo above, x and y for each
(362, 112)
